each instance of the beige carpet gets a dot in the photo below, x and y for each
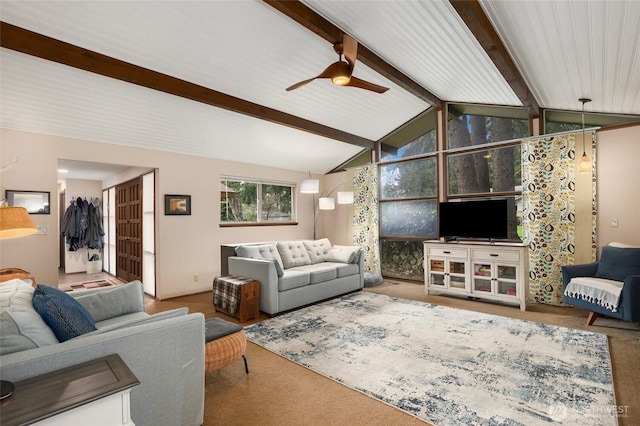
(277, 391)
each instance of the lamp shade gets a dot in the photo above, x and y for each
(326, 203)
(345, 197)
(16, 222)
(584, 166)
(309, 186)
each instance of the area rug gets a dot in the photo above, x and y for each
(449, 366)
(83, 285)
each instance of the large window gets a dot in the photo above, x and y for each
(483, 156)
(484, 171)
(250, 201)
(481, 159)
(564, 121)
(408, 214)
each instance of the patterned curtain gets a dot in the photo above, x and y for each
(549, 209)
(365, 215)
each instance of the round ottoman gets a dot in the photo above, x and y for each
(225, 343)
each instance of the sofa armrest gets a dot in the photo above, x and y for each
(262, 270)
(583, 270)
(171, 389)
(630, 298)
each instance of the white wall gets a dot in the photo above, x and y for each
(618, 185)
(186, 245)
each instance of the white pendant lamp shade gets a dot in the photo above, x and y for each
(310, 186)
(326, 203)
(345, 197)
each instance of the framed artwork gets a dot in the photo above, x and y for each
(177, 204)
(36, 202)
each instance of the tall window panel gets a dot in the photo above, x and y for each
(408, 215)
(483, 156)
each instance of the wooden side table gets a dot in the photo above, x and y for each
(94, 392)
(237, 296)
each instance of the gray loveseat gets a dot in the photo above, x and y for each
(298, 273)
(165, 351)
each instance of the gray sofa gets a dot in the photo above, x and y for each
(297, 273)
(165, 351)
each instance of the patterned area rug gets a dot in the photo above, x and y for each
(107, 282)
(449, 366)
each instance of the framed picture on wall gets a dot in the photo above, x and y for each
(36, 202)
(177, 204)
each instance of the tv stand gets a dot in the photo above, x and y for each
(488, 270)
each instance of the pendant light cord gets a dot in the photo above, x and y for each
(584, 101)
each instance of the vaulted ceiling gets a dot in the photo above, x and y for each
(208, 78)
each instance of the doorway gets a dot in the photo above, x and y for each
(126, 262)
(129, 230)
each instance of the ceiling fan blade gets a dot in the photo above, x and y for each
(300, 84)
(327, 73)
(361, 84)
(350, 50)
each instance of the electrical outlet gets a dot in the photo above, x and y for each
(614, 222)
(196, 278)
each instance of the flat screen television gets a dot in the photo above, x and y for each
(477, 219)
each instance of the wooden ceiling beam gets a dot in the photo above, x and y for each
(41, 46)
(474, 17)
(314, 22)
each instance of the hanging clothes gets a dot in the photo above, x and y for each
(82, 225)
(95, 230)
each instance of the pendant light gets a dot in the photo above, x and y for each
(584, 166)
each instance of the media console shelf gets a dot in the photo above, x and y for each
(495, 272)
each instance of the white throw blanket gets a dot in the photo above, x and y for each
(605, 293)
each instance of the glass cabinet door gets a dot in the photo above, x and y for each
(457, 275)
(482, 277)
(436, 272)
(506, 278)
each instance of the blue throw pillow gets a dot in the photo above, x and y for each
(618, 263)
(62, 313)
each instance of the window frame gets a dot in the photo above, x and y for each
(259, 202)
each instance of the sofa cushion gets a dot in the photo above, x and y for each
(317, 249)
(65, 315)
(344, 269)
(318, 272)
(122, 319)
(20, 323)
(262, 251)
(11, 338)
(618, 263)
(113, 301)
(343, 254)
(293, 253)
(292, 279)
(135, 319)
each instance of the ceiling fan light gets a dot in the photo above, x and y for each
(340, 80)
(341, 73)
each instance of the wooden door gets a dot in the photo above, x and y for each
(129, 230)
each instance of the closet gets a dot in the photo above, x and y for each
(81, 228)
